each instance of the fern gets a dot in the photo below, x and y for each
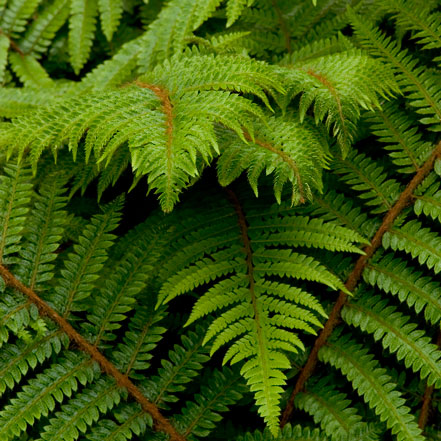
(306, 130)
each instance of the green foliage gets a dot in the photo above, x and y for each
(299, 126)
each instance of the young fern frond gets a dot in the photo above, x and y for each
(255, 316)
(286, 148)
(322, 82)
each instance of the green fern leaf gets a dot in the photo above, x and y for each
(15, 195)
(44, 234)
(421, 243)
(143, 335)
(199, 417)
(82, 25)
(375, 316)
(373, 385)
(324, 82)
(184, 363)
(16, 14)
(41, 32)
(397, 277)
(420, 86)
(16, 359)
(394, 127)
(295, 433)
(331, 410)
(29, 70)
(82, 265)
(131, 421)
(254, 312)
(80, 412)
(235, 8)
(39, 396)
(110, 14)
(4, 46)
(285, 147)
(370, 180)
(418, 18)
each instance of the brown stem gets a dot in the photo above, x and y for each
(355, 276)
(161, 423)
(427, 397)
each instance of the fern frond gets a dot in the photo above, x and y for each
(370, 181)
(16, 315)
(199, 417)
(338, 208)
(284, 147)
(120, 289)
(331, 410)
(421, 87)
(417, 17)
(16, 14)
(110, 15)
(115, 70)
(44, 234)
(82, 265)
(317, 49)
(375, 316)
(16, 359)
(167, 118)
(17, 101)
(82, 25)
(29, 70)
(235, 8)
(4, 46)
(323, 83)
(394, 127)
(373, 384)
(39, 396)
(170, 32)
(42, 30)
(80, 412)
(113, 171)
(256, 317)
(295, 433)
(131, 420)
(141, 338)
(428, 198)
(421, 243)
(395, 276)
(15, 196)
(184, 363)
